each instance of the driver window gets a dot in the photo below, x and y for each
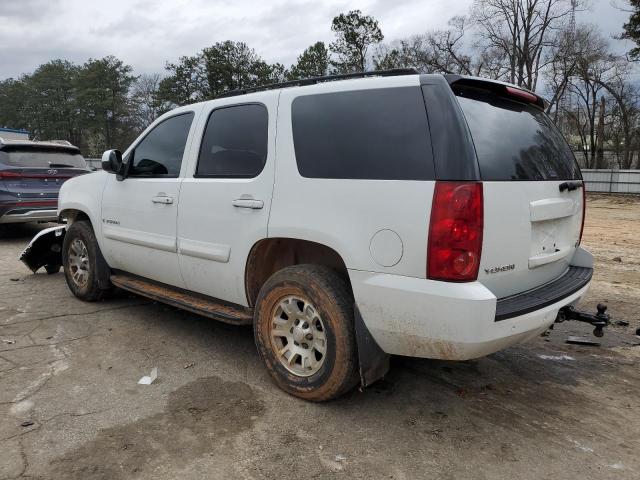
(160, 152)
(234, 142)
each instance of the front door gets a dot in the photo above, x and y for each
(225, 201)
(139, 213)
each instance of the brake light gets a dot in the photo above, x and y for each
(522, 95)
(584, 211)
(10, 174)
(455, 232)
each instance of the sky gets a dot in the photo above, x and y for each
(147, 33)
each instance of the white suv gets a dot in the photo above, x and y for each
(346, 219)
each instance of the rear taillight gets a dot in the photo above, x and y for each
(8, 174)
(584, 211)
(455, 232)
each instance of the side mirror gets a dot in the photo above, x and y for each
(112, 161)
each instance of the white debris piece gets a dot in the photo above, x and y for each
(556, 357)
(149, 379)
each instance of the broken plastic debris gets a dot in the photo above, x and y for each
(582, 341)
(556, 357)
(149, 379)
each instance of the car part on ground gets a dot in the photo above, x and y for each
(45, 250)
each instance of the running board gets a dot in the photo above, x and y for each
(176, 297)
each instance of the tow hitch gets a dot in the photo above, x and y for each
(599, 320)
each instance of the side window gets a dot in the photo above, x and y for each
(234, 142)
(378, 134)
(160, 152)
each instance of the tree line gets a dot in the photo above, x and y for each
(535, 44)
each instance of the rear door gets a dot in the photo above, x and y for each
(533, 198)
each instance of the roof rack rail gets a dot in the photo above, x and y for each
(314, 80)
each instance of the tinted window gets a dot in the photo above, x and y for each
(160, 152)
(40, 158)
(515, 141)
(234, 142)
(367, 134)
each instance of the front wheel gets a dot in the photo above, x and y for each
(82, 262)
(305, 334)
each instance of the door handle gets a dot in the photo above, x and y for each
(164, 199)
(248, 203)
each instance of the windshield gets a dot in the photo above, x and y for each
(515, 141)
(31, 158)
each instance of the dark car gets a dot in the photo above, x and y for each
(31, 174)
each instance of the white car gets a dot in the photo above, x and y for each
(347, 219)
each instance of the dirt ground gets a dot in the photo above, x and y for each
(70, 406)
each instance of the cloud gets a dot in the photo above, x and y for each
(27, 10)
(147, 33)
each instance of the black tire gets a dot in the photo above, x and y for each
(94, 287)
(330, 297)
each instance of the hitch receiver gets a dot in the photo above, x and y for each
(599, 320)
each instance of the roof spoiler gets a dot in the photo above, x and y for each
(64, 145)
(501, 88)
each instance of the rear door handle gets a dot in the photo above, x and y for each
(164, 199)
(248, 203)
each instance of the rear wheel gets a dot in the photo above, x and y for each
(81, 261)
(305, 333)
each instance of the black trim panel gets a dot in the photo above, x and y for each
(573, 280)
(454, 154)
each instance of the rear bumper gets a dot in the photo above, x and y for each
(23, 215)
(21, 209)
(452, 321)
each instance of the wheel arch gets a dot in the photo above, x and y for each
(72, 215)
(269, 255)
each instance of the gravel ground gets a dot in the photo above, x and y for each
(70, 406)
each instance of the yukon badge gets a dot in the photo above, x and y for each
(503, 268)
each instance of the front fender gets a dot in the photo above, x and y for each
(84, 194)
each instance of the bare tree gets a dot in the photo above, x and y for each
(592, 71)
(563, 58)
(522, 30)
(144, 95)
(625, 95)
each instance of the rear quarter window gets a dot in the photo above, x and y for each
(513, 140)
(378, 134)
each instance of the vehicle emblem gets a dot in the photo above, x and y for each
(503, 268)
(52, 171)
